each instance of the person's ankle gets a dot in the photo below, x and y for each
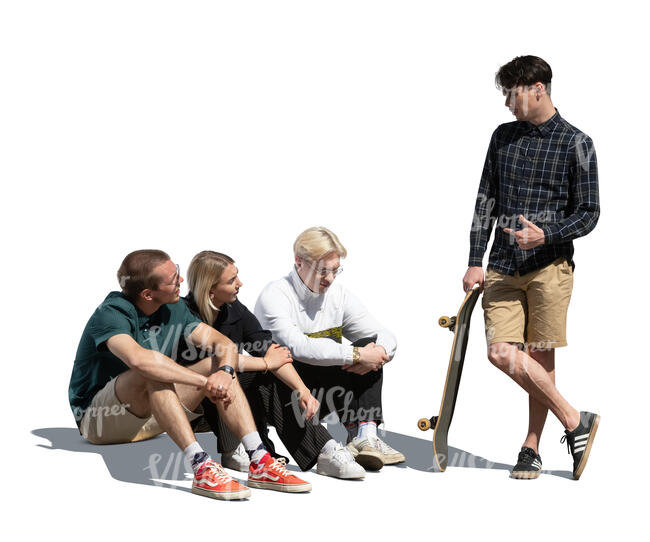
(573, 421)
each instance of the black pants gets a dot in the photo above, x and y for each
(355, 398)
(271, 404)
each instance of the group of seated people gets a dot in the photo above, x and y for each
(150, 362)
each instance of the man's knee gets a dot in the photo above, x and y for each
(502, 355)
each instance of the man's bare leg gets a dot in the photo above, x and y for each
(532, 377)
(537, 412)
(165, 402)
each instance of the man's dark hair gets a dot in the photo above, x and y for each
(136, 272)
(524, 71)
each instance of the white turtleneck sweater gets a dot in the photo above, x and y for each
(306, 321)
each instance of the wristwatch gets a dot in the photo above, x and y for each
(228, 369)
(356, 355)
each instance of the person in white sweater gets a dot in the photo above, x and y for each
(311, 314)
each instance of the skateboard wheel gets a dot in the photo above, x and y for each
(424, 424)
(444, 321)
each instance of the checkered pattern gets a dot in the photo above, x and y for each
(548, 173)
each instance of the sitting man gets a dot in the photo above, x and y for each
(125, 387)
(310, 314)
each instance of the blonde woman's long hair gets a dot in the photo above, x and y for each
(203, 273)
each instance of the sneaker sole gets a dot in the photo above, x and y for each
(585, 455)
(223, 495)
(394, 461)
(525, 475)
(340, 476)
(369, 461)
(285, 488)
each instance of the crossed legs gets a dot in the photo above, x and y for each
(535, 373)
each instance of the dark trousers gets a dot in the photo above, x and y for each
(271, 404)
(355, 398)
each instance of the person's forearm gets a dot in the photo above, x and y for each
(250, 363)
(225, 352)
(288, 374)
(156, 366)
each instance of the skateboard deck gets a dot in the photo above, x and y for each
(459, 324)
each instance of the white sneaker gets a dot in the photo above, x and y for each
(339, 463)
(236, 460)
(390, 456)
(366, 452)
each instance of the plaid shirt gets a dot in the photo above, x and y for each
(547, 173)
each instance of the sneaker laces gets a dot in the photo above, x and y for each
(217, 472)
(342, 454)
(278, 466)
(568, 441)
(527, 455)
(384, 448)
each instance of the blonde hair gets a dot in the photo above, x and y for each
(203, 273)
(314, 243)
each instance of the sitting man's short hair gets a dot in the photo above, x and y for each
(316, 242)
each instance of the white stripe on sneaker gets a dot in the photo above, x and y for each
(582, 437)
(579, 449)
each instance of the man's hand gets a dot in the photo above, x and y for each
(277, 356)
(308, 403)
(217, 387)
(372, 358)
(473, 275)
(530, 236)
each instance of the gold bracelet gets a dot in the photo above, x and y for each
(265, 363)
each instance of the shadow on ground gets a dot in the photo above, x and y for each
(159, 462)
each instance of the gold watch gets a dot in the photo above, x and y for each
(356, 355)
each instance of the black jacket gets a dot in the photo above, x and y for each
(239, 324)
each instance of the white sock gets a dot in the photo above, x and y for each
(330, 445)
(253, 446)
(195, 455)
(367, 429)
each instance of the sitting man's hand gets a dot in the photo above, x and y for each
(372, 358)
(218, 387)
(277, 356)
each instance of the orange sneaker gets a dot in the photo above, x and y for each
(270, 473)
(212, 481)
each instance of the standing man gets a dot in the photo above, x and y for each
(125, 386)
(539, 189)
(311, 314)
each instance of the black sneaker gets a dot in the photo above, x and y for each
(579, 441)
(529, 465)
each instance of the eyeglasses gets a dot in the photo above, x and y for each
(324, 271)
(177, 278)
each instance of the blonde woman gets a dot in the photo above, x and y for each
(214, 285)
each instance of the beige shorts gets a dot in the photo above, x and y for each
(108, 421)
(529, 309)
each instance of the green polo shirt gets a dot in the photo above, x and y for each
(95, 365)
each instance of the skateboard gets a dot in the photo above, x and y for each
(459, 324)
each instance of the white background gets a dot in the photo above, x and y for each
(233, 126)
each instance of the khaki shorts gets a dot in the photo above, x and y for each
(108, 421)
(529, 309)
